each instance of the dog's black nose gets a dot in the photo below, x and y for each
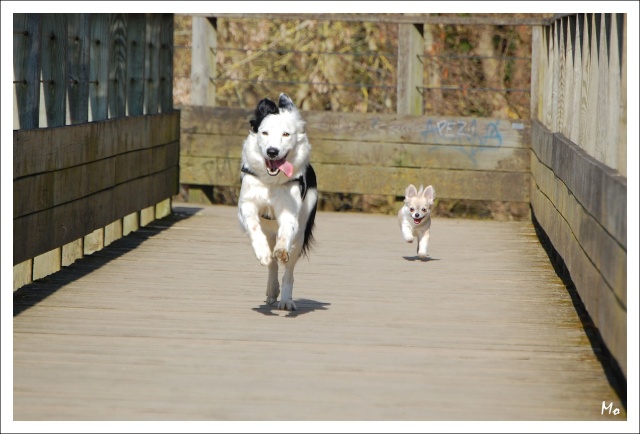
(272, 152)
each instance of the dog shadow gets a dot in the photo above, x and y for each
(304, 306)
(418, 258)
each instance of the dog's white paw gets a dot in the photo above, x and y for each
(281, 254)
(263, 254)
(422, 255)
(408, 239)
(287, 305)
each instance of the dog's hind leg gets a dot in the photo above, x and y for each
(286, 299)
(273, 286)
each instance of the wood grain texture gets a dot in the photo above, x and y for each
(170, 324)
(27, 34)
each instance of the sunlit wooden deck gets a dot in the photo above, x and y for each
(169, 324)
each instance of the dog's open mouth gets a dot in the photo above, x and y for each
(417, 221)
(275, 166)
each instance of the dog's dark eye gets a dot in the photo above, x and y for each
(412, 209)
(264, 133)
(424, 210)
(285, 134)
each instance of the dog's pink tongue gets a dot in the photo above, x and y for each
(287, 168)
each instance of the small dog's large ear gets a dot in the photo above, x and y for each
(411, 191)
(285, 103)
(429, 193)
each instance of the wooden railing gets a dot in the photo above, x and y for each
(96, 138)
(578, 160)
(374, 156)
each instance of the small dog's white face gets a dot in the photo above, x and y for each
(418, 204)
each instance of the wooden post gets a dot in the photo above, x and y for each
(536, 41)
(203, 61)
(410, 69)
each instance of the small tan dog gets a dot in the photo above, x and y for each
(415, 216)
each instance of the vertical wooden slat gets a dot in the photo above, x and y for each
(562, 74)
(152, 64)
(613, 95)
(54, 67)
(22, 273)
(592, 92)
(576, 38)
(117, 66)
(536, 40)
(586, 78)
(136, 25)
(166, 63)
(26, 69)
(410, 69)
(601, 144)
(99, 67)
(203, 61)
(622, 118)
(79, 37)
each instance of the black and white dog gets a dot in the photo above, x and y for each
(278, 197)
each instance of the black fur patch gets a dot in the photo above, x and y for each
(311, 184)
(265, 108)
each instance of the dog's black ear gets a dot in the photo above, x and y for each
(285, 103)
(265, 108)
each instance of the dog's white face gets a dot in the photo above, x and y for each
(418, 204)
(278, 142)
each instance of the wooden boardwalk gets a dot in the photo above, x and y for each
(169, 324)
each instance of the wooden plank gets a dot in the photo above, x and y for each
(147, 215)
(112, 232)
(612, 130)
(152, 64)
(501, 159)
(204, 45)
(491, 333)
(54, 70)
(163, 208)
(601, 249)
(99, 68)
(601, 111)
(605, 309)
(43, 150)
(342, 178)
(136, 25)
(22, 274)
(536, 63)
(409, 18)
(622, 119)
(46, 263)
(71, 252)
(598, 188)
(574, 132)
(27, 37)
(117, 65)
(40, 232)
(410, 75)
(50, 189)
(130, 223)
(79, 32)
(364, 127)
(93, 241)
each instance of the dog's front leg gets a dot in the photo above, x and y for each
(287, 229)
(407, 232)
(423, 244)
(250, 218)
